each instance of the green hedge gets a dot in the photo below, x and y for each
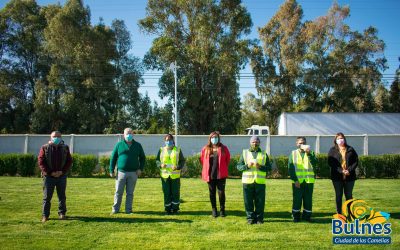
(381, 166)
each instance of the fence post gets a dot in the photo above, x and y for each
(365, 144)
(269, 145)
(71, 144)
(317, 145)
(26, 143)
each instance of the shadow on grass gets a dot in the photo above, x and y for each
(126, 220)
(191, 212)
(317, 218)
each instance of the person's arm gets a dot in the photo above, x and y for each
(333, 162)
(354, 161)
(241, 165)
(267, 167)
(113, 159)
(142, 158)
(158, 160)
(68, 162)
(181, 161)
(313, 158)
(292, 169)
(42, 162)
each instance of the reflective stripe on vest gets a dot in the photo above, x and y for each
(170, 160)
(303, 167)
(253, 174)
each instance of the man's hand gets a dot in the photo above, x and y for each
(308, 150)
(297, 184)
(258, 165)
(163, 165)
(346, 172)
(138, 172)
(174, 167)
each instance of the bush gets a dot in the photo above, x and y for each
(18, 164)
(83, 165)
(381, 166)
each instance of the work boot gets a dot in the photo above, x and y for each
(215, 212)
(62, 217)
(44, 219)
(222, 213)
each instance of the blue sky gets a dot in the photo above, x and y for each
(363, 13)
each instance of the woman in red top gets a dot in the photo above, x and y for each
(215, 159)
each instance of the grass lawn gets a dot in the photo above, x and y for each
(90, 224)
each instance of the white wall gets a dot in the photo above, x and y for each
(192, 144)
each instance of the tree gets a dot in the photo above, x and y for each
(276, 65)
(128, 79)
(81, 80)
(204, 37)
(252, 112)
(22, 62)
(395, 92)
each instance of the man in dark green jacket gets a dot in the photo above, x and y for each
(129, 157)
(254, 163)
(301, 163)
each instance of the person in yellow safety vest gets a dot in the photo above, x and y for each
(301, 170)
(170, 160)
(254, 163)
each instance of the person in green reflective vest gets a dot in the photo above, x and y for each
(254, 163)
(170, 160)
(301, 169)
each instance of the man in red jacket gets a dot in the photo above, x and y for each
(54, 161)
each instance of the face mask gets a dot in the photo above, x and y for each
(214, 140)
(340, 142)
(169, 143)
(254, 147)
(56, 140)
(129, 137)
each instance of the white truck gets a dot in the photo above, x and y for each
(258, 130)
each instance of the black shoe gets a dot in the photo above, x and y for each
(168, 212)
(250, 222)
(175, 211)
(307, 219)
(296, 220)
(222, 213)
(215, 213)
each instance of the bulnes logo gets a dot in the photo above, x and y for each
(359, 220)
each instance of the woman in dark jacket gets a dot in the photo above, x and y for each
(343, 161)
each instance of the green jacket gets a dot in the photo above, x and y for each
(241, 166)
(292, 170)
(127, 158)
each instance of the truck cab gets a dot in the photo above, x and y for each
(258, 130)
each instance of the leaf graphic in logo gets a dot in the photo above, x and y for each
(358, 209)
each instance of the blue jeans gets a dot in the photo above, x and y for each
(49, 183)
(127, 179)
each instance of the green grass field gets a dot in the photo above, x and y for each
(90, 224)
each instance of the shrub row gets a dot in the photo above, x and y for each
(382, 166)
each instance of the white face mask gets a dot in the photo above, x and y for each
(340, 142)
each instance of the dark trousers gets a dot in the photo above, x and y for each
(254, 201)
(341, 187)
(302, 196)
(49, 183)
(171, 189)
(213, 185)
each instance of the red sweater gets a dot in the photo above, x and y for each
(223, 162)
(56, 159)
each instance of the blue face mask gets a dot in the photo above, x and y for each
(169, 143)
(214, 140)
(56, 140)
(129, 137)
